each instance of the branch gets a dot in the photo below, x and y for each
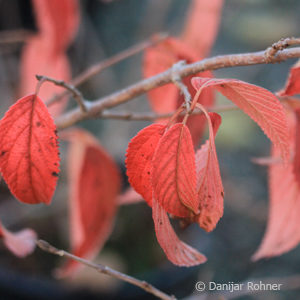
(143, 86)
(76, 93)
(99, 67)
(129, 116)
(45, 246)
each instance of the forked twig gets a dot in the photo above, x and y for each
(75, 92)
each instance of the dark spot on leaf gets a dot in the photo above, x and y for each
(38, 124)
(54, 174)
(148, 173)
(3, 152)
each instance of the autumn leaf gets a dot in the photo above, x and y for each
(282, 233)
(58, 21)
(292, 85)
(178, 252)
(29, 158)
(38, 59)
(44, 53)
(260, 104)
(21, 243)
(94, 183)
(202, 25)
(139, 159)
(209, 182)
(174, 172)
(167, 99)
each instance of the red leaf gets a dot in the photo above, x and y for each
(94, 187)
(260, 104)
(21, 243)
(58, 21)
(292, 85)
(29, 159)
(174, 172)
(167, 99)
(282, 232)
(44, 53)
(38, 59)
(210, 188)
(202, 25)
(296, 165)
(177, 251)
(139, 159)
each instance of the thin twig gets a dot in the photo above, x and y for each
(45, 246)
(99, 67)
(139, 88)
(280, 45)
(75, 92)
(176, 79)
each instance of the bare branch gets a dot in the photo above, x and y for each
(75, 92)
(45, 246)
(139, 88)
(99, 67)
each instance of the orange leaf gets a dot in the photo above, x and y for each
(282, 233)
(292, 85)
(174, 172)
(260, 104)
(139, 159)
(178, 252)
(210, 188)
(29, 159)
(94, 187)
(202, 25)
(21, 243)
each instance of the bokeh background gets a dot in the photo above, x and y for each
(106, 28)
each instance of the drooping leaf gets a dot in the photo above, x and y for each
(21, 243)
(260, 104)
(174, 172)
(202, 25)
(178, 252)
(29, 158)
(282, 233)
(94, 184)
(210, 188)
(292, 85)
(139, 159)
(167, 99)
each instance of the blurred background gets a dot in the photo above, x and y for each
(106, 28)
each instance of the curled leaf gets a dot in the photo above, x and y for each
(178, 252)
(260, 104)
(210, 188)
(29, 159)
